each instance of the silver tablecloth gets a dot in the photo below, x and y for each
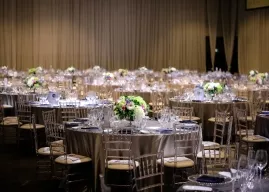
(90, 144)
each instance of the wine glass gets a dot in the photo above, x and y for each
(243, 171)
(251, 158)
(233, 171)
(261, 160)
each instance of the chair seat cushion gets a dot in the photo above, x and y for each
(193, 118)
(70, 159)
(210, 144)
(58, 142)
(56, 151)
(211, 154)
(181, 162)
(9, 121)
(255, 139)
(30, 126)
(121, 164)
(244, 132)
(7, 106)
(213, 119)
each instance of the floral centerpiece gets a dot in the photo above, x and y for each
(123, 72)
(32, 71)
(33, 82)
(169, 70)
(96, 68)
(257, 77)
(130, 108)
(4, 68)
(108, 76)
(212, 88)
(143, 69)
(71, 69)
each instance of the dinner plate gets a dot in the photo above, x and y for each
(153, 128)
(194, 178)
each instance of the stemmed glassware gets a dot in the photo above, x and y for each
(252, 168)
(261, 160)
(233, 171)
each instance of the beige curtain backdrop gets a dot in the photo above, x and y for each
(228, 18)
(253, 39)
(212, 20)
(110, 33)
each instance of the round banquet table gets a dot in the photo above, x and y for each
(12, 98)
(89, 143)
(206, 109)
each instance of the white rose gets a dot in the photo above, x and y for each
(210, 86)
(139, 113)
(130, 106)
(266, 75)
(172, 69)
(252, 73)
(96, 67)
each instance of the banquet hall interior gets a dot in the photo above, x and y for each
(134, 95)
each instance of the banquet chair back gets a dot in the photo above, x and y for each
(23, 98)
(219, 126)
(24, 113)
(68, 113)
(158, 101)
(54, 131)
(216, 158)
(149, 174)
(82, 112)
(241, 123)
(186, 145)
(184, 113)
(118, 156)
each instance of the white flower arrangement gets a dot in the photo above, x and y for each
(33, 82)
(71, 69)
(4, 68)
(257, 77)
(212, 88)
(96, 68)
(131, 108)
(143, 69)
(123, 72)
(108, 76)
(169, 70)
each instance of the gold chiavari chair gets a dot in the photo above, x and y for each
(216, 159)
(118, 158)
(43, 160)
(158, 101)
(185, 113)
(68, 113)
(25, 120)
(149, 174)
(219, 129)
(245, 133)
(184, 162)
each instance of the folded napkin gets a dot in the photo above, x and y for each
(208, 143)
(71, 158)
(225, 174)
(89, 128)
(210, 179)
(178, 159)
(196, 188)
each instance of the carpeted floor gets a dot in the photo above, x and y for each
(17, 172)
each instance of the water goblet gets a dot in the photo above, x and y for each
(233, 171)
(261, 161)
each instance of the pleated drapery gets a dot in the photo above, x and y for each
(253, 39)
(228, 18)
(212, 20)
(110, 33)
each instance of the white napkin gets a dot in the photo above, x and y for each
(46, 149)
(196, 188)
(208, 143)
(71, 158)
(172, 159)
(122, 162)
(225, 174)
